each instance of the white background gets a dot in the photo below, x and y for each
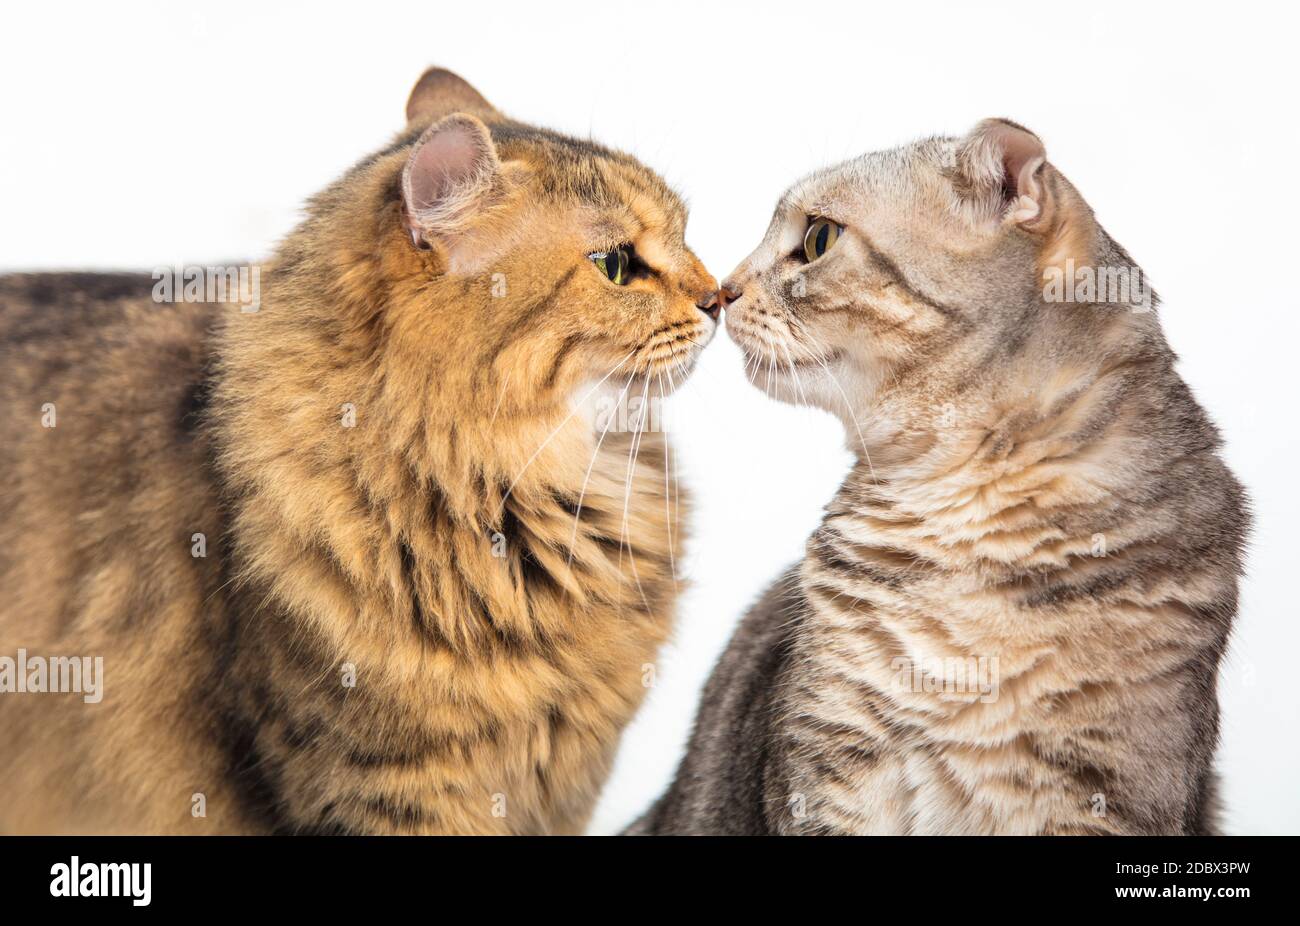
(135, 136)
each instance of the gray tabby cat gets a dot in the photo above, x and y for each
(1011, 617)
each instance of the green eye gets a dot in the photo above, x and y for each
(820, 238)
(612, 264)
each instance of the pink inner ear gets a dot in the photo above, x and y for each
(1022, 153)
(447, 160)
(1000, 162)
(452, 166)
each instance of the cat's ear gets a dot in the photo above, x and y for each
(440, 93)
(451, 173)
(1005, 178)
(1000, 168)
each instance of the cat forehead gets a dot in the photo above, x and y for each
(577, 171)
(890, 175)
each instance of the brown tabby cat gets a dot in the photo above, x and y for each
(427, 584)
(1011, 618)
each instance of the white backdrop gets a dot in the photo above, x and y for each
(140, 135)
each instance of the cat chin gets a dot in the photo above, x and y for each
(760, 362)
(810, 387)
(633, 398)
(663, 379)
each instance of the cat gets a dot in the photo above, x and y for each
(1011, 617)
(363, 559)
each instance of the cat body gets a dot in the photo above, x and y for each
(362, 560)
(1011, 617)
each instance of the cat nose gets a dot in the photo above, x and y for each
(711, 304)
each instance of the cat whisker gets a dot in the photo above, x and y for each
(677, 491)
(668, 518)
(500, 398)
(749, 358)
(624, 533)
(795, 375)
(862, 441)
(576, 407)
(582, 493)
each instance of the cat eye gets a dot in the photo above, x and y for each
(612, 264)
(820, 238)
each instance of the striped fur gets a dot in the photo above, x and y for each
(1035, 487)
(433, 618)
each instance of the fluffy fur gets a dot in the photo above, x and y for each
(1035, 487)
(431, 582)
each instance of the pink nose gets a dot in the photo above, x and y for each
(711, 305)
